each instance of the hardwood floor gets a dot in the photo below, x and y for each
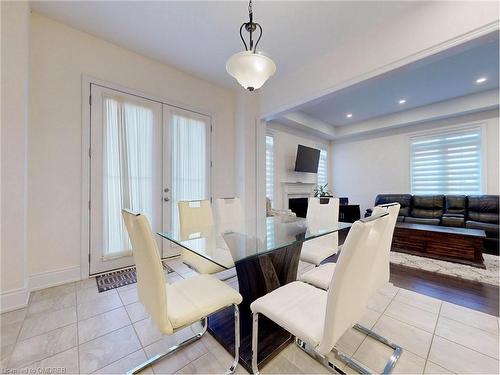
(474, 295)
(471, 294)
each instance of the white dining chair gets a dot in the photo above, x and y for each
(196, 216)
(322, 275)
(318, 318)
(173, 307)
(322, 213)
(228, 214)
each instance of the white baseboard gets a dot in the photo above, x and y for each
(47, 279)
(14, 299)
(18, 298)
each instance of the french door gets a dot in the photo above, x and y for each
(144, 156)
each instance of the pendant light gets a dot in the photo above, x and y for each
(250, 68)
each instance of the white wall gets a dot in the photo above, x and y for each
(245, 137)
(14, 163)
(377, 164)
(286, 140)
(60, 55)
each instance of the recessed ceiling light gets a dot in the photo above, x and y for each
(402, 101)
(349, 115)
(481, 79)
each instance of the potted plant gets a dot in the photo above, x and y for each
(320, 191)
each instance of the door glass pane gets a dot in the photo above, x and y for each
(129, 144)
(189, 162)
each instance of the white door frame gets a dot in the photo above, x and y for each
(85, 179)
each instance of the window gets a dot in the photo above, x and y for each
(269, 167)
(323, 167)
(128, 170)
(447, 163)
(189, 162)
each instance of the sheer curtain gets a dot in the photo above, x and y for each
(189, 161)
(129, 149)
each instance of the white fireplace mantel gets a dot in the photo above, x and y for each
(296, 190)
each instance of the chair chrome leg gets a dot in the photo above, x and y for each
(351, 362)
(320, 358)
(255, 339)
(171, 350)
(232, 369)
(395, 354)
(355, 365)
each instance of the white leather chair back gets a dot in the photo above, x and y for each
(194, 216)
(151, 283)
(323, 215)
(228, 214)
(381, 266)
(350, 288)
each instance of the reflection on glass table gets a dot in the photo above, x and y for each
(265, 254)
(254, 238)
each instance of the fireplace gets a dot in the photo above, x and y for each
(298, 205)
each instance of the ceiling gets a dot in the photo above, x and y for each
(198, 37)
(440, 77)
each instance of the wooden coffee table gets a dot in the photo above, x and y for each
(459, 245)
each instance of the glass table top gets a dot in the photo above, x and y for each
(229, 243)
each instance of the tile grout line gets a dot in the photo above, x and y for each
(118, 358)
(77, 332)
(136, 334)
(133, 327)
(466, 347)
(78, 341)
(41, 359)
(104, 312)
(411, 325)
(51, 330)
(376, 321)
(421, 309)
(432, 339)
(439, 315)
(18, 333)
(468, 325)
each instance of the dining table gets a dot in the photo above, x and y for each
(265, 253)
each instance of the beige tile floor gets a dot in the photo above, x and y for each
(72, 326)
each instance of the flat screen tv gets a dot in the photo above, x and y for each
(307, 159)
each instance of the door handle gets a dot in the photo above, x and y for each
(166, 199)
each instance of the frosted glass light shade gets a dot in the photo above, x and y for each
(250, 69)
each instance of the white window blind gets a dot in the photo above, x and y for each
(447, 163)
(323, 167)
(269, 166)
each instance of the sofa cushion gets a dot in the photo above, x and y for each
(452, 221)
(403, 199)
(428, 206)
(455, 205)
(421, 220)
(483, 208)
(490, 229)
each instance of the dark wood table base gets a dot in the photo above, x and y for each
(257, 276)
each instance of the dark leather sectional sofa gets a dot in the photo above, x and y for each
(472, 211)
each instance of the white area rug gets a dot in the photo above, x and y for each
(490, 275)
